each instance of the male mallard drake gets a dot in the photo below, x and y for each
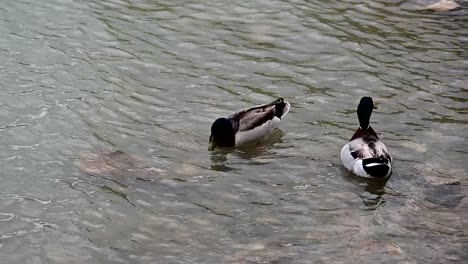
(365, 155)
(248, 125)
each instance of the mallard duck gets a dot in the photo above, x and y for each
(248, 125)
(365, 155)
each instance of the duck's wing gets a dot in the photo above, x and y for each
(253, 117)
(360, 149)
(368, 147)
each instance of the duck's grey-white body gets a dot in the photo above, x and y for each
(248, 125)
(248, 133)
(365, 154)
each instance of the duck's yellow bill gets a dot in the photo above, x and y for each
(212, 145)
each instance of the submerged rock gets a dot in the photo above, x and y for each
(115, 164)
(445, 195)
(443, 5)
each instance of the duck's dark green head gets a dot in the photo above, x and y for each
(364, 111)
(222, 134)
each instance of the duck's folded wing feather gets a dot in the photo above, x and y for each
(253, 117)
(368, 147)
(360, 149)
(250, 118)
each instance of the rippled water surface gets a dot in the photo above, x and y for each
(105, 110)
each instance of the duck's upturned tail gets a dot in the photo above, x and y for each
(281, 107)
(377, 167)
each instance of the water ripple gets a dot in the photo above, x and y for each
(138, 84)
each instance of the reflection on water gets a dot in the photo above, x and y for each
(255, 154)
(106, 106)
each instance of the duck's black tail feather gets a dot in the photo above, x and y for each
(377, 167)
(282, 107)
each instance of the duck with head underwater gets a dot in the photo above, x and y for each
(365, 154)
(248, 125)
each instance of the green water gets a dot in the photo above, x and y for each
(80, 80)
